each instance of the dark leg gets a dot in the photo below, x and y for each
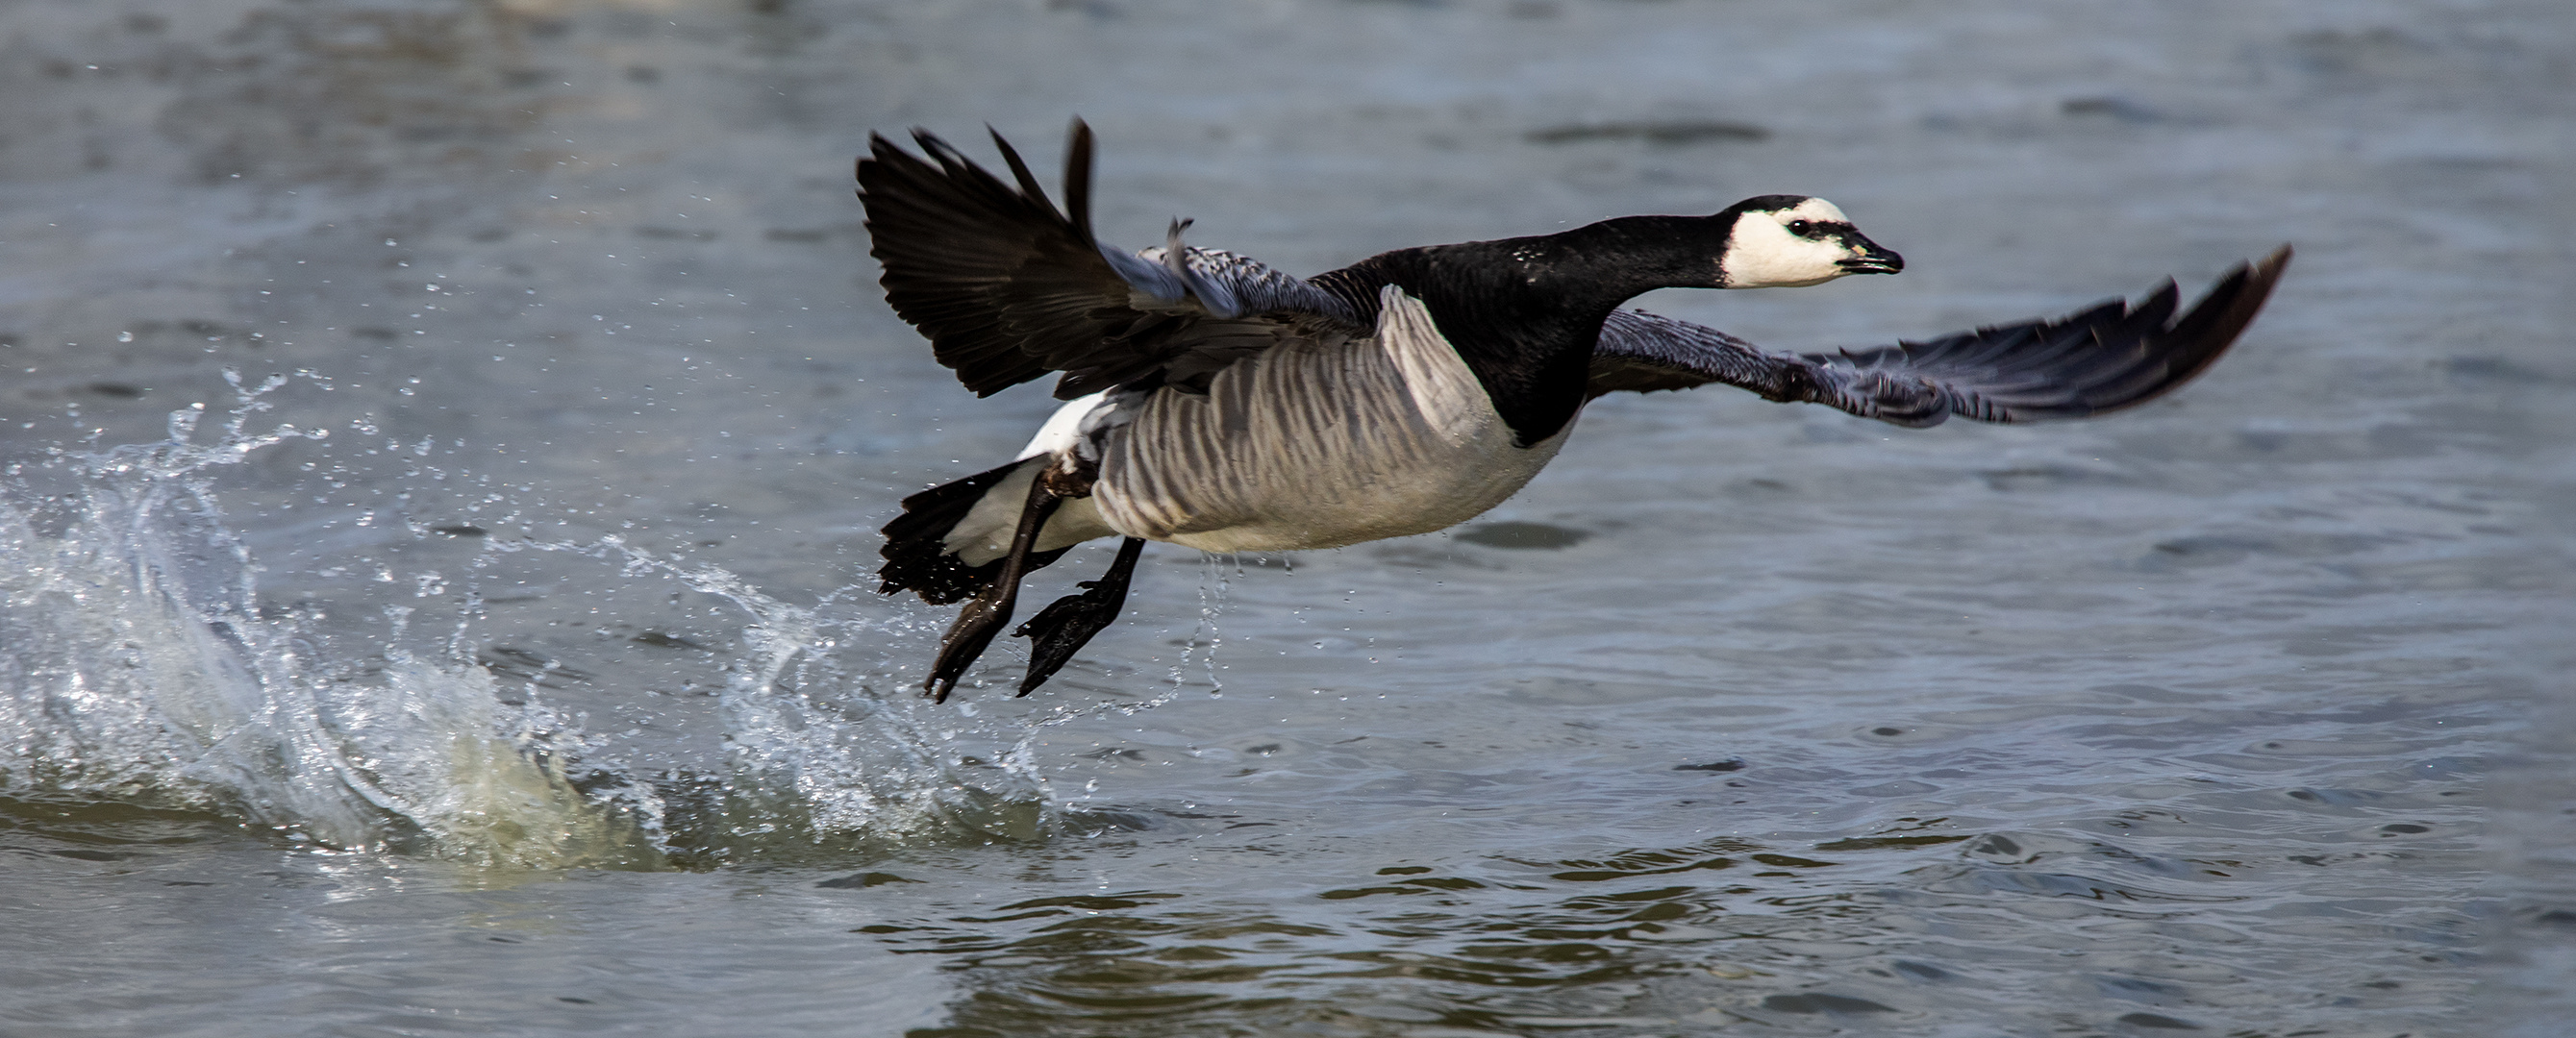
(1063, 627)
(990, 609)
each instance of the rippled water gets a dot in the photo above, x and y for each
(443, 443)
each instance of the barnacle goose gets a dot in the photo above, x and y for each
(1222, 405)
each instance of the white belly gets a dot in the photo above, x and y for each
(1313, 445)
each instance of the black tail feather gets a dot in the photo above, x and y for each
(917, 557)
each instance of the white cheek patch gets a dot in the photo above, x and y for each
(1761, 253)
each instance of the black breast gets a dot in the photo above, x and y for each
(1528, 340)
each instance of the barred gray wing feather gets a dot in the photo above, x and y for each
(1009, 288)
(2111, 356)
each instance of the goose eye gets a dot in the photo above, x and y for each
(1800, 227)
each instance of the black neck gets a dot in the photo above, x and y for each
(1525, 313)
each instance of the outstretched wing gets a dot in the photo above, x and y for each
(2112, 356)
(1008, 288)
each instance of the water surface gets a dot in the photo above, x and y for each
(444, 443)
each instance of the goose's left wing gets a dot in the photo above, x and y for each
(2111, 356)
(1009, 288)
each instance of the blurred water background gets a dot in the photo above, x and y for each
(441, 444)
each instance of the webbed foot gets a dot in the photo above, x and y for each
(1067, 624)
(990, 610)
(984, 616)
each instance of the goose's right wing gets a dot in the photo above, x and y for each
(1009, 289)
(2112, 356)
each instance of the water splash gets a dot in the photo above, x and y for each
(822, 754)
(137, 666)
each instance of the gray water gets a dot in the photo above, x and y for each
(441, 445)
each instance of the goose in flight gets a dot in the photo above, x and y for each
(1219, 404)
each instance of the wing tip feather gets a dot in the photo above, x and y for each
(2195, 340)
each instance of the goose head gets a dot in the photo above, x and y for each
(1788, 241)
